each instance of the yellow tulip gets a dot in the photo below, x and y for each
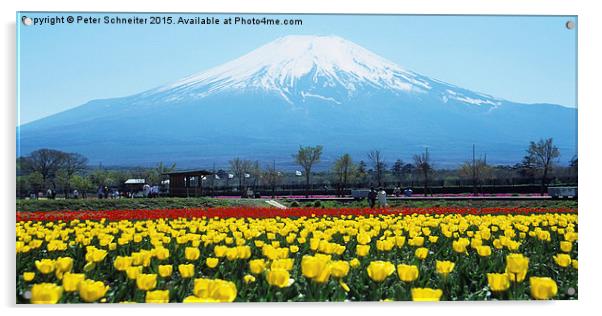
(517, 265)
(186, 270)
(416, 241)
(215, 290)
(194, 299)
(344, 286)
(570, 236)
(562, 259)
(28, 276)
(421, 253)
(71, 281)
(248, 278)
(460, 245)
(354, 263)
(444, 267)
(484, 251)
(340, 269)
(317, 268)
(294, 248)
(191, 253)
(45, 293)
(90, 290)
(574, 264)
(407, 273)
(286, 264)
(64, 264)
(498, 282)
(165, 270)
(378, 271)
(157, 297)
(257, 266)
(132, 272)
(362, 250)
(231, 254)
(162, 253)
(94, 254)
(433, 239)
(566, 246)
(220, 251)
(45, 266)
(426, 294)
(278, 277)
(212, 262)
(542, 288)
(122, 263)
(544, 235)
(146, 282)
(363, 238)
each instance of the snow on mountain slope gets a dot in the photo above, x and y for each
(300, 90)
(286, 65)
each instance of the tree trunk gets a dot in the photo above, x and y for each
(543, 181)
(426, 180)
(306, 184)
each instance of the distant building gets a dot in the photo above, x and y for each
(134, 185)
(187, 183)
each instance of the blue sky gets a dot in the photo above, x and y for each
(524, 58)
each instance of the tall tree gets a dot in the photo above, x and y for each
(255, 172)
(476, 170)
(272, 177)
(423, 164)
(379, 165)
(397, 170)
(343, 169)
(543, 153)
(46, 162)
(362, 172)
(73, 163)
(82, 184)
(408, 170)
(306, 157)
(573, 166)
(240, 168)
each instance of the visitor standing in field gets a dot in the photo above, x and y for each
(372, 197)
(382, 197)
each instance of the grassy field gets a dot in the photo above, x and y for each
(173, 203)
(132, 204)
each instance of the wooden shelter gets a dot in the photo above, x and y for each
(187, 183)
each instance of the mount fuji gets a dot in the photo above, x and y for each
(301, 90)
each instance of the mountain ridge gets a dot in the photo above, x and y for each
(300, 90)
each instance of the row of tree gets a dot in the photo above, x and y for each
(60, 171)
(539, 161)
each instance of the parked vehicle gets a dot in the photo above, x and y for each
(563, 192)
(360, 194)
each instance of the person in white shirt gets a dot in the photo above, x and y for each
(382, 197)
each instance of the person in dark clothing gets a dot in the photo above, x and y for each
(372, 197)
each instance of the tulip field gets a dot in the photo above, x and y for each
(299, 254)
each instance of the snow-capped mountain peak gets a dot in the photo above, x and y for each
(327, 61)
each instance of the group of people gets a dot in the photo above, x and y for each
(380, 195)
(407, 192)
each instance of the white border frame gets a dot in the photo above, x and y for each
(589, 26)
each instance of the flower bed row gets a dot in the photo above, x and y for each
(250, 212)
(386, 256)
